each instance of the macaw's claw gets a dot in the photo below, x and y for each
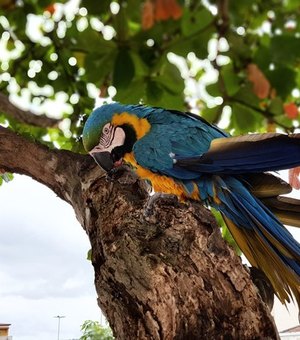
(124, 175)
(158, 198)
(117, 172)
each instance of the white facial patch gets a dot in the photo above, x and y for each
(111, 137)
(119, 137)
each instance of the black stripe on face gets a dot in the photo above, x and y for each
(107, 136)
(130, 138)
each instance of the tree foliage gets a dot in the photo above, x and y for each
(92, 330)
(235, 58)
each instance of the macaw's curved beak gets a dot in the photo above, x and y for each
(104, 159)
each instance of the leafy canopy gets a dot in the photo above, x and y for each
(235, 62)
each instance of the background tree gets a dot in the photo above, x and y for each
(92, 330)
(237, 63)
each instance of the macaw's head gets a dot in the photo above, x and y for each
(111, 131)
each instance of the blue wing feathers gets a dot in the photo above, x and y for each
(276, 153)
(191, 141)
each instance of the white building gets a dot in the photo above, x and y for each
(289, 334)
(4, 329)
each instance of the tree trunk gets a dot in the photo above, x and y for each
(171, 275)
(168, 275)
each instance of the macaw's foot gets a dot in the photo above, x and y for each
(159, 198)
(118, 172)
(135, 188)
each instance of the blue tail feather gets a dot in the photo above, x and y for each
(260, 234)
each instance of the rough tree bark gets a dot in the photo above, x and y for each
(166, 276)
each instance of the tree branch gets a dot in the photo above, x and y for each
(26, 117)
(223, 14)
(57, 169)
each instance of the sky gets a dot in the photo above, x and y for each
(43, 266)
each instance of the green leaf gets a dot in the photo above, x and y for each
(170, 79)
(96, 7)
(6, 177)
(89, 255)
(283, 79)
(263, 58)
(2, 118)
(121, 24)
(213, 89)
(246, 95)
(245, 119)
(92, 330)
(89, 41)
(18, 17)
(194, 21)
(97, 67)
(276, 106)
(141, 68)
(291, 5)
(133, 93)
(210, 114)
(124, 69)
(170, 101)
(239, 49)
(225, 231)
(284, 120)
(154, 92)
(231, 80)
(228, 237)
(195, 43)
(285, 48)
(45, 3)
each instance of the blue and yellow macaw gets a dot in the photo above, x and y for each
(182, 154)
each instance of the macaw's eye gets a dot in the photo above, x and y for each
(106, 130)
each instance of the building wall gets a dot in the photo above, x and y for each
(286, 336)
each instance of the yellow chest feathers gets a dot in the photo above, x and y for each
(161, 183)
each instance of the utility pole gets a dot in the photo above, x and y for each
(58, 326)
